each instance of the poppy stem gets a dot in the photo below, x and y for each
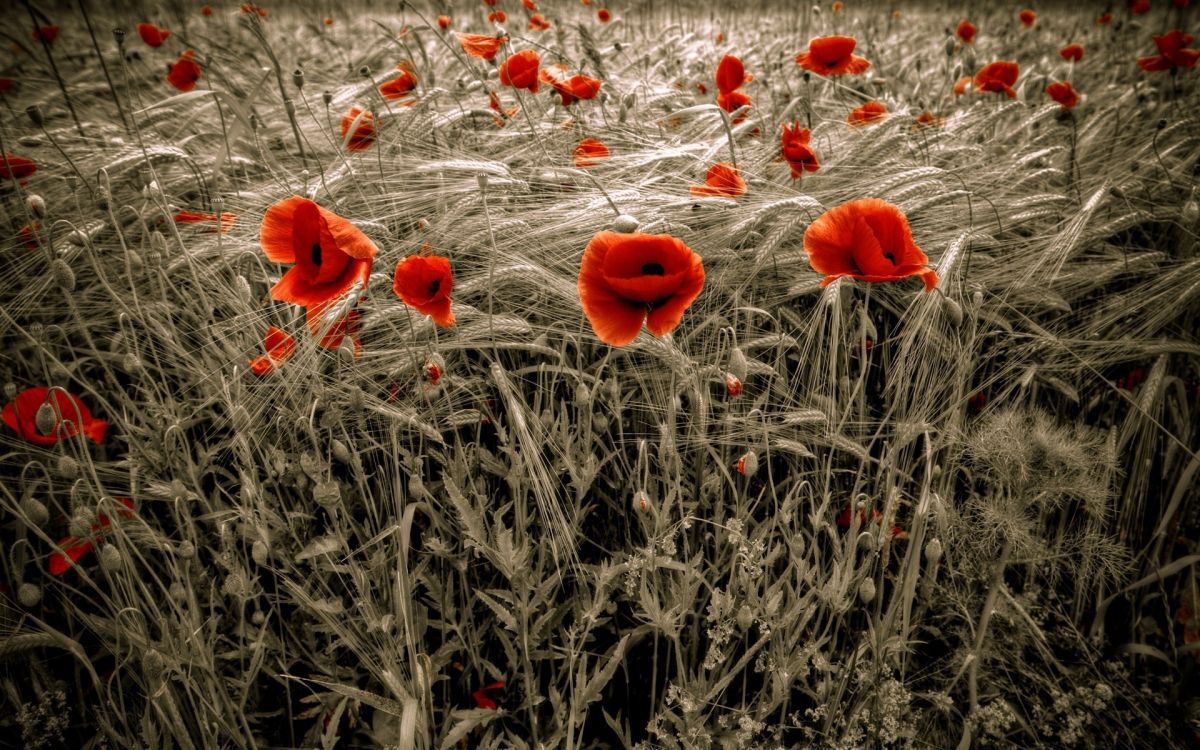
(729, 135)
(54, 69)
(487, 215)
(103, 65)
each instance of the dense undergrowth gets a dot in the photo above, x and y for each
(908, 520)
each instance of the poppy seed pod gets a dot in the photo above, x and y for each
(482, 179)
(29, 595)
(35, 115)
(37, 205)
(298, 78)
(327, 98)
(119, 35)
(10, 390)
(625, 224)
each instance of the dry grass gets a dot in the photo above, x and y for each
(342, 553)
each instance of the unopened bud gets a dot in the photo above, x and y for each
(733, 385)
(67, 467)
(365, 71)
(745, 617)
(339, 451)
(625, 224)
(289, 106)
(111, 558)
(37, 205)
(866, 590)
(747, 465)
(29, 595)
(260, 552)
(45, 419)
(63, 275)
(953, 310)
(641, 501)
(739, 366)
(933, 551)
(158, 242)
(949, 46)
(1191, 212)
(35, 512)
(186, 550)
(35, 115)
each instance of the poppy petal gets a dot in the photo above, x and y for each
(276, 234)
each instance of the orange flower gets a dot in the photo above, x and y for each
(398, 87)
(961, 85)
(928, 119)
(1063, 93)
(538, 22)
(252, 8)
(497, 16)
(866, 239)
(837, 6)
(520, 70)
(152, 35)
(721, 181)
(867, 114)
(328, 21)
(1173, 52)
(589, 152)
(330, 254)
(733, 101)
(14, 167)
(966, 31)
(731, 74)
(444, 22)
(796, 151)
(73, 549)
(480, 45)
(604, 15)
(424, 284)
(331, 333)
(184, 72)
(997, 76)
(61, 415)
(529, 4)
(45, 34)
(832, 55)
(1028, 18)
(570, 89)
(1072, 52)
(1104, 19)
(628, 279)
(364, 133)
(197, 217)
(280, 347)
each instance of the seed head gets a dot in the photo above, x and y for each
(29, 595)
(298, 78)
(35, 115)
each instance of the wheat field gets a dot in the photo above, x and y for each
(350, 402)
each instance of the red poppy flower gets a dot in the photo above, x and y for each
(28, 238)
(1028, 18)
(722, 181)
(330, 254)
(483, 700)
(720, 37)
(480, 45)
(331, 333)
(589, 152)
(1138, 7)
(497, 16)
(966, 31)
(866, 239)
(928, 119)
(731, 74)
(14, 167)
(364, 132)
(844, 518)
(1181, 3)
(570, 89)
(520, 70)
(398, 87)
(626, 279)
(328, 21)
(733, 101)
(74, 549)
(199, 217)
(252, 8)
(1063, 93)
(832, 55)
(280, 347)
(444, 22)
(529, 4)
(604, 15)
(6, 85)
(45, 34)
(490, 3)
(184, 73)
(152, 35)
(64, 415)
(538, 22)
(837, 6)
(962, 84)
(1072, 52)
(1104, 19)
(1173, 52)
(997, 76)
(424, 282)
(206, 10)
(867, 114)
(796, 151)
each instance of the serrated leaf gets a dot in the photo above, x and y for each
(467, 721)
(320, 546)
(596, 684)
(503, 614)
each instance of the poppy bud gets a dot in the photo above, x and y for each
(103, 198)
(953, 310)
(1162, 123)
(969, 58)
(816, 9)
(949, 46)
(158, 242)
(240, 418)
(35, 512)
(745, 617)
(733, 385)
(435, 367)
(29, 595)
(1190, 212)
(866, 590)
(933, 551)
(583, 395)
(340, 452)
(186, 550)
(35, 115)
(289, 106)
(747, 465)
(738, 365)
(10, 390)
(177, 591)
(260, 552)
(37, 205)
(242, 287)
(625, 224)
(67, 467)
(298, 78)
(365, 71)
(45, 419)
(641, 501)
(111, 558)
(154, 664)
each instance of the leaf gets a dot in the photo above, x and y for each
(596, 684)
(321, 546)
(378, 702)
(467, 720)
(503, 614)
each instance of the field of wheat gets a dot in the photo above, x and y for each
(565, 375)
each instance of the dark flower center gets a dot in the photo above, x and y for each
(316, 254)
(434, 286)
(653, 269)
(890, 256)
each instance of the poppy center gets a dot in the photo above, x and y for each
(653, 269)
(434, 286)
(890, 256)
(316, 254)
